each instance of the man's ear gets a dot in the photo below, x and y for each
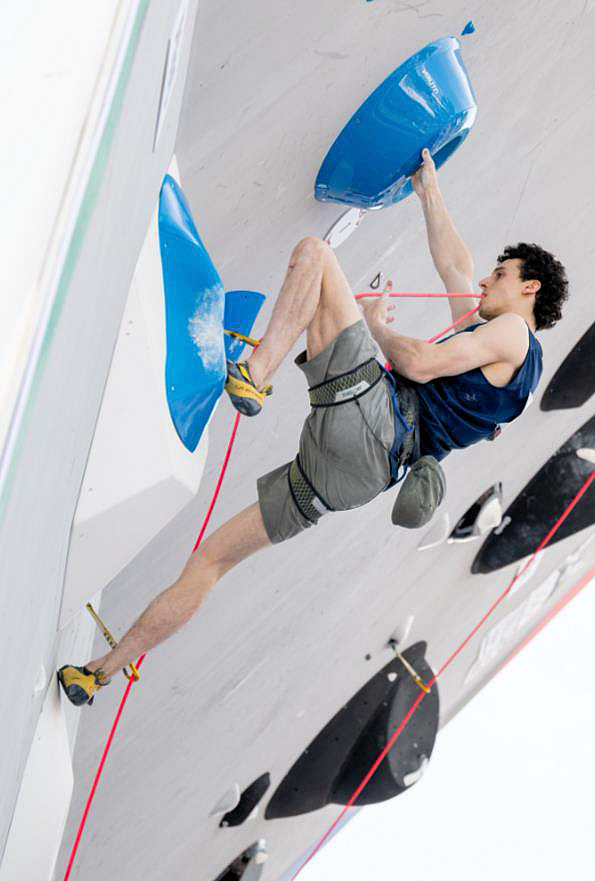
(532, 287)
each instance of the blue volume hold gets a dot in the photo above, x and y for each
(469, 29)
(241, 309)
(195, 368)
(426, 102)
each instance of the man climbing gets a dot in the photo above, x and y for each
(367, 426)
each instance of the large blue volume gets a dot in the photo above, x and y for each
(195, 307)
(426, 102)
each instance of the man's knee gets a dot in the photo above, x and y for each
(312, 249)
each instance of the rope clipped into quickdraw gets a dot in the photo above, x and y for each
(134, 674)
(410, 669)
(136, 667)
(446, 664)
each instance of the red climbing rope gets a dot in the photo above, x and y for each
(453, 325)
(422, 296)
(100, 771)
(446, 664)
(139, 663)
(427, 296)
(219, 482)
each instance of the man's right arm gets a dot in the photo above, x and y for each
(452, 258)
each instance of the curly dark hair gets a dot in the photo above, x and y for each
(543, 266)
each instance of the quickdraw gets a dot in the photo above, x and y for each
(134, 674)
(412, 672)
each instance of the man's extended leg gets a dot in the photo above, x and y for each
(314, 296)
(225, 548)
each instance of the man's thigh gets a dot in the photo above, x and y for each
(337, 307)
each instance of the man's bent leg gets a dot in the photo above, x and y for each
(315, 295)
(225, 548)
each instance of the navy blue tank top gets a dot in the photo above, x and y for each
(457, 411)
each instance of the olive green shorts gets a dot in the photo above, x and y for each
(343, 448)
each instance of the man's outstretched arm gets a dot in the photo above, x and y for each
(452, 258)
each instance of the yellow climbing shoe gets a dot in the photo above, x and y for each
(80, 684)
(242, 392)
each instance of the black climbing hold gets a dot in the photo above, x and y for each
(540, 504)
(574, 381)
(248, 801)
(375, 283)
(470, 525)
(335, 763)
(239, 867)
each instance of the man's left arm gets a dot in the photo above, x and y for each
(501, 340)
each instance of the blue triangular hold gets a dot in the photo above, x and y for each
(194, 303)
(241, 309)
(196, 311)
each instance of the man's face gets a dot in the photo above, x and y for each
(504, 290)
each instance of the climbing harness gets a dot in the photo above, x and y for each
(308, 500)
(351, 386)
(406, 409)
(134, 674)
(346, 386)
(412, 672)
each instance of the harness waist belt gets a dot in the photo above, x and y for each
(347, 386)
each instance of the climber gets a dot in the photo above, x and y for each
(368, 426)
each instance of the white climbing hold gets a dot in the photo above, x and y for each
(587, 454)
(227, 802)
(410, 779)
(344, 227)
(437, 534)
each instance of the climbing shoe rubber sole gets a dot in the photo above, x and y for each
(79, 684)
(242, 392)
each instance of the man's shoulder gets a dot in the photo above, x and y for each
(507, 323)
(508, 320)
(510, 332)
